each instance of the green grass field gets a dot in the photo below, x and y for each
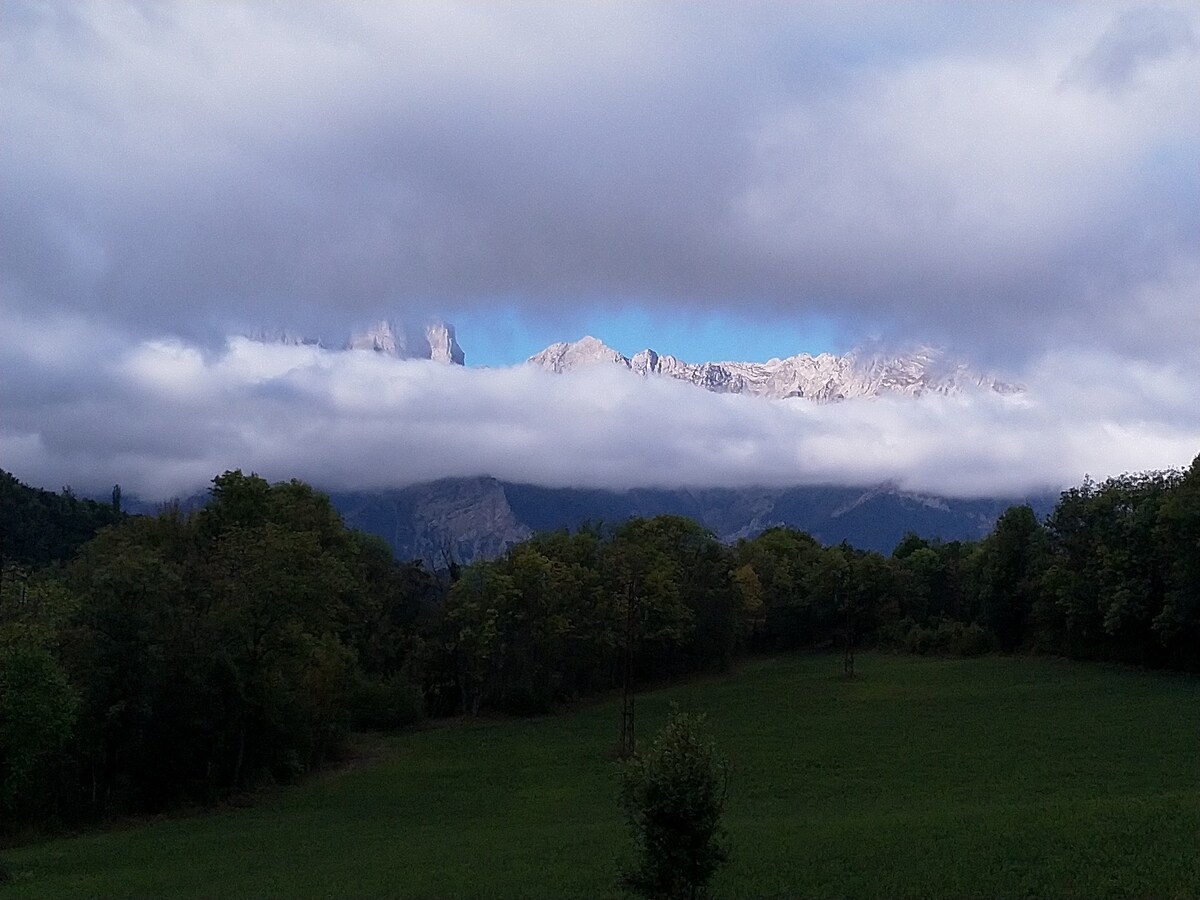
(993, 777)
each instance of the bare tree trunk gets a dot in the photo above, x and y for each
(848, 658)
(627, 742)
(241, 755)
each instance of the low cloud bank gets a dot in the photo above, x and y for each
(163, 417)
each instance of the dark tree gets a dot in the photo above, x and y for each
(1011, 562)
(1177, 624)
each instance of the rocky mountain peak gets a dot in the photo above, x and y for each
(382, 337)
(587, 351)
(866, 372)
(443, 345)
(283, 336)
(436, 341)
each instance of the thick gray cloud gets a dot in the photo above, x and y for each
(1001, 177)
(1019, 181)
(1136, 40)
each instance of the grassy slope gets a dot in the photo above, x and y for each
(989, 778)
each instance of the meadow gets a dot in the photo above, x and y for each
(990, 777)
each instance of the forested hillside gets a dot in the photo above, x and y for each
(185, 656)
(180, 657)
(38, 527)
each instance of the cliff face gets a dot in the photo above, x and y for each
(456, 519)
(436, 341)
(464, 519)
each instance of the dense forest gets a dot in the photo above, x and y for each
(183, 657)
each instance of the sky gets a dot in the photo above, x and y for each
(1018, 182)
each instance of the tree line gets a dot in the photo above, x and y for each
(181, 657)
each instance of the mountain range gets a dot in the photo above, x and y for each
(823, 378)
(467, 519)
(826, 377)
(464, 519)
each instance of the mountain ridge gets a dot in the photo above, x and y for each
(479, 517)
(822, 378)
(464, 519)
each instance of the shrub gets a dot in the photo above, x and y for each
(526, 700)
(673, 797)
(971, 640)
(948, 637)
(380, 705)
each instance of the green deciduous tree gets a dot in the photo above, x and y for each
(780, 560)
(214, 650)
(37, 712)
(673, 796)
(644, 563)
(474, 610)
(1010, 567)
(830, 586)
(1177, 533)
(1116, 550)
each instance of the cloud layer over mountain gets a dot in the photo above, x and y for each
(166, 416)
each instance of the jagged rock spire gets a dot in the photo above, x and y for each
(436, 341)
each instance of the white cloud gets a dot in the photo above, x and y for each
(164, 418)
